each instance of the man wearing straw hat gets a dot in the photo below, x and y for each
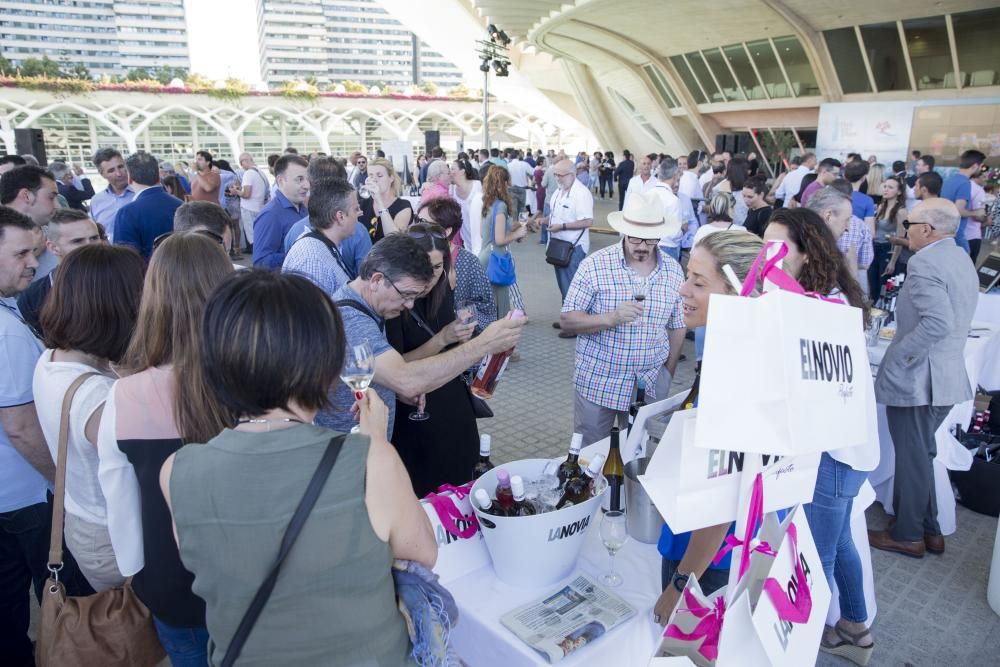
(623, 305)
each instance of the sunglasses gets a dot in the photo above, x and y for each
(907, 223)
(204, 232)
(424, 228)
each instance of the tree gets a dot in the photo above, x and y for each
(354, 87)
(167, 74)
(138, 74)
(461, 90)
(6, 67)
(81, 72)
(429, 87)
(44, 67)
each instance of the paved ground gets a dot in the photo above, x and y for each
(930, 612)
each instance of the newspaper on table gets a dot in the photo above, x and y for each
(568, 619)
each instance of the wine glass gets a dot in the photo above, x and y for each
(465, 311)
(359, 368)
(613, 534)
(420, 415)
(638, 291)
(365, 191)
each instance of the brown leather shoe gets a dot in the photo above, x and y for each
(934, 544)
(563, 334)
(881, 539)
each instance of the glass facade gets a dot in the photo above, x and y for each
(977, 39)
(662, 87)
(716, 61)
(740, 62)
(689, 81)
(767, 65)
(701, 72)
(636, 115)
(847, 60)
(930, 50)
(800, 74)
(885, 56)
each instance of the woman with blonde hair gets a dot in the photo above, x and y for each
(143, 423)
(499, 231)
(874, 180)
(384, 212)
(719, 215)
(690, 554)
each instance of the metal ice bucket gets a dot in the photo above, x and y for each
(643, 520)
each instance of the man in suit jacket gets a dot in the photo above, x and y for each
(151, 213)
(923, 373)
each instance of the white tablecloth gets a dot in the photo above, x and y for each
(982, 361)
(988, 308)
(481, 640)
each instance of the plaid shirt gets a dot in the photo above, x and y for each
(608, 362)
(859, 236)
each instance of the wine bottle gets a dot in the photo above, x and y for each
(640, 400)
(504, 494)
(691, 400)
(521, 505)
(571, 466)
(614, 472)
(580, 488)
(483, 465)
(487, 505)
(493, 366)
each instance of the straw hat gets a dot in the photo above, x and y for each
(643, 218)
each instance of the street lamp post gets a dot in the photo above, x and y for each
(492, 54)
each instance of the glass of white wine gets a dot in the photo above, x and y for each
(614, 534)
(465, 311)
(359, 368)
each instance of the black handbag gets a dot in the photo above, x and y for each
(559, 252)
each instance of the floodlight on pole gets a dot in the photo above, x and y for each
(492, 53)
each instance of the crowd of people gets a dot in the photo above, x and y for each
(213, 391)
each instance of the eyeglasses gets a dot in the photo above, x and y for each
(404, 296)
(204, 232)
(558, 175)
(424, 228)
(637, 242)
(907, 223)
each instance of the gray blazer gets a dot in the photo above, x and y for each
(925, 363)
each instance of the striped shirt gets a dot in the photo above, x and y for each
(609, 362)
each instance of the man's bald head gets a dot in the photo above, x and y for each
(565, 174)
(932, 220)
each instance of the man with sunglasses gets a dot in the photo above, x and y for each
(624, 304)
(571, 215)
(393, 276)
(923, 372)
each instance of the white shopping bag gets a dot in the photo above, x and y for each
(712, 632)
(694, 488)
(461, 548)
(791, 609)
(782, 374)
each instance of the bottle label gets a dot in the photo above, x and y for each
(502, 369)
(483, 366)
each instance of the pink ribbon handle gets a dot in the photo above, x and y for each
(799, 610)
(449, 514)
(460, 491)
(709, 628)
(755, 518)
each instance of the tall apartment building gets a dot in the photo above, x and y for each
(338, 40)
(108, 36)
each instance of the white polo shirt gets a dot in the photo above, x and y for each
(520, 173)
(671, 208)
(569, 206)
(689, 186)
(790, 186)
(636, 185)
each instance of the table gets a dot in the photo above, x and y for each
(481, 640)
(982, 362)
(988, 307)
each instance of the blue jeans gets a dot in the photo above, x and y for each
(674, 251)
(186, 647)
(543, 234)
(829, 516)
(960, 239)
(699, 343)
(564, 274)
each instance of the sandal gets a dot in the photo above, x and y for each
(847, 645)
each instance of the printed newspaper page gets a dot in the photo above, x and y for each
(568, 619)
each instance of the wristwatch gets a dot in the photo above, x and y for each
(384, 210)
(679, 581)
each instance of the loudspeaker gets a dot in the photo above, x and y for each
(31, 140)
(432, 139)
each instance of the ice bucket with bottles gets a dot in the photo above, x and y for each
(531, 551)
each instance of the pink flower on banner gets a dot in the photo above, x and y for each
(710, 626)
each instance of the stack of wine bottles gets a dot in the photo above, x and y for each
(560, 484)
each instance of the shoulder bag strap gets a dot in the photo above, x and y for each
(59, 495)
(298, 520)
(350, 303)
(332, 247)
